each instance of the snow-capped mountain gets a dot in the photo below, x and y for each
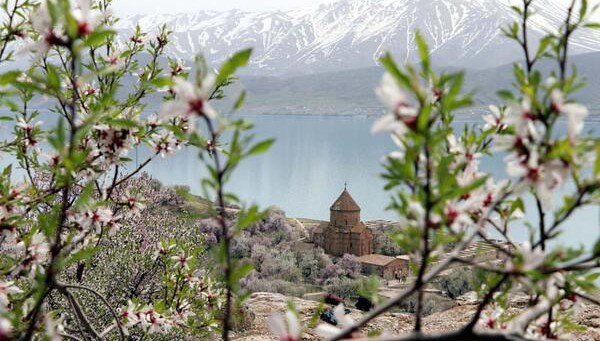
(351, 34)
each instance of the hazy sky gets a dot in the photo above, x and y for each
(126, 7)
(177, 6)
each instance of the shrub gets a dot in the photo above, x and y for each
(458, 282)
(345, 287)
(350, 265)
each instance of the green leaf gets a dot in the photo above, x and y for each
(261, 147)
(583, 9)
(99, 38)
(241, 272)
(597, 248)
(248, 217)
(597, 161)
(390, 65)
(162, 82)
(423, 52)
(460, 191)
(53, 78)
(238, 60)
(506, 95)
(80, 255)
(124, 123)
(9, 77)
(517, 204)
(543, 46)
(240, 101)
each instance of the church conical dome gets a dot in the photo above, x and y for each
(344, 233)
(345, 203)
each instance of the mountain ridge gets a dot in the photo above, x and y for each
(351, 92)
(352, 34)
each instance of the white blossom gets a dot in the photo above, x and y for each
(85, 21)
(402, 114)
(191, 101)
(94, 219)
(575, 113)
(37, 253)
(6, 329)
(43, 24)
(523, 119)
(182, 261)
(134, 203)
(494, 120)
(6, 289)
(457, 215)
(54, 328)
(545, 178)
(285, 328)
(165, 143)
(400, 151)
(28, 128)
(464, 154)
(490, 320)
(130, 314)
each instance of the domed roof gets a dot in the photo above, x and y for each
(345, 203)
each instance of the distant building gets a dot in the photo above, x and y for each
(344, 233)
(384, 266)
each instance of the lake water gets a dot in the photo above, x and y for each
(311, 160)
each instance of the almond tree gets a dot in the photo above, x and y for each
(76, 194)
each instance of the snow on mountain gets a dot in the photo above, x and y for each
(350, 34)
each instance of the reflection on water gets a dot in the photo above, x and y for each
(312, 158)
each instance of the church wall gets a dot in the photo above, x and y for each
(339, 218)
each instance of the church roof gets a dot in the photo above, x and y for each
(375, 259)
(345, 202)
(359, 228)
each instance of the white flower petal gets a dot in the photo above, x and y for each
(208, 85)
(184, 89)
(293, 325)
(327, 331)
(276, 324)
(174, 108)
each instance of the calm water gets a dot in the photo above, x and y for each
(312, 159)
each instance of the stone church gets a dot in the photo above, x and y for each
(344, 233)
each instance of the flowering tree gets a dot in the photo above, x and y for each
(445, 202)
(79, 192)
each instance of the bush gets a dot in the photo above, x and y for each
(458, 282)
(275, 286)
(383, 243)
(345, 287)
(350, 265)
(432, 303)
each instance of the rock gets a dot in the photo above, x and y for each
(468, 298)
(265, 304)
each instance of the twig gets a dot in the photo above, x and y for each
(224, 230)
(103, 299)
(79, 313)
